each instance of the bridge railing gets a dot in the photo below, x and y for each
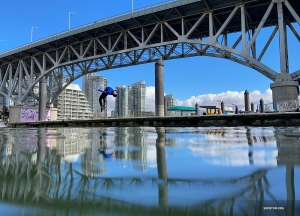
(290, 105)
(283, 106)
(93, 23)
(269, 107)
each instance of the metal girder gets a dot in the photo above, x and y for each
(142, 45)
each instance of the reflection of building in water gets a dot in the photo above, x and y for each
(5, 145)
(241, 147)
(170, 141)
(71, 142)
(22, 143)
(92, 162)
(134, 138)
(288, 143)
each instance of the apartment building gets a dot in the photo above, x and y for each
(73, 104)
(131, 100)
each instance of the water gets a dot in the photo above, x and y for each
(150, 171)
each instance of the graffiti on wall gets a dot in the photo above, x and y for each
(32, 115)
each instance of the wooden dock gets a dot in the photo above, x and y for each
(255, 120)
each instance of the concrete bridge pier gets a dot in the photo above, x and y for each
(247, 101)
(159, 88)
(284, 88)
(42, 99)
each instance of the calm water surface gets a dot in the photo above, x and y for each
(150, 171)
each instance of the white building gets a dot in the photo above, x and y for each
(72, 104)
(169, 101)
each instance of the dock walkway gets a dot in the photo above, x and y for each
(255, 120)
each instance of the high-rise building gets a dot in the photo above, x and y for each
(131, 100)
(93, 95)
(85, 84)
(112, 113)
(169, 100)
(72, 104)
(138, 98)
(121, 101)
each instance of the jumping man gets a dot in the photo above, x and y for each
(107, 91)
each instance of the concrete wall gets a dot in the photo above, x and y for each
(15, 114)
(53, 115)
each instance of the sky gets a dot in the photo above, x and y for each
(196, 79)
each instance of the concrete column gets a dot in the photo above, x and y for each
(165, 106)
(262, 105)
(284, 88)
(197, 109)
(252, 107)
(42, 99)
(247, 101)
(159, 88)
(222, 107)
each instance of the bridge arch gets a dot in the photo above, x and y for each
(162, 36)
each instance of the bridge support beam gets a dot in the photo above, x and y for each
(42, 99)
(159, 88)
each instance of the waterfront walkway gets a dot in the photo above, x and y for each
(256, 120)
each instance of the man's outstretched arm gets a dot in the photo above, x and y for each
(97, 89)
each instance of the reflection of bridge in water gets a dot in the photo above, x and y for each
(38, 178)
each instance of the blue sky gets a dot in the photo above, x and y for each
(185, 78)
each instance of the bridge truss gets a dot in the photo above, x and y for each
(176, 29)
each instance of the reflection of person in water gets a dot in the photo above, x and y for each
(107, 152)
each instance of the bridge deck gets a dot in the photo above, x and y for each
(148, 17)
(256, 120)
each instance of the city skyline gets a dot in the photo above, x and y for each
(199, 79)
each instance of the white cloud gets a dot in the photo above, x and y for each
(228, 97)
(150, 98)
(110, 104)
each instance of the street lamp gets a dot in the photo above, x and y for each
(220, 101)
(32, 33)
(131, 7)
(70, 18)
(233, 104)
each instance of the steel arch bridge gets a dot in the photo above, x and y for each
(169, 30)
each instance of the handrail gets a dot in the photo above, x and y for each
(93, 23)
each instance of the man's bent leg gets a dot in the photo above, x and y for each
(100, 102)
